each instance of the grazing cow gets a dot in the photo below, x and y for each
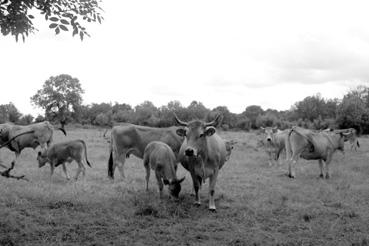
(160, 157)
(274, 142)
(132, 139)
(312, 146)
(41, 134)
(202, 153)
(60, 153)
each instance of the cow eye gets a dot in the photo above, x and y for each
(202, 135)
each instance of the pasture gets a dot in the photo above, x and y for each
(256, 204)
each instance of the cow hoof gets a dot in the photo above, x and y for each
(213, 210)
(291, 176)
(327, 176)
(321, 176)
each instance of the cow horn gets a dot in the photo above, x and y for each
(214, 122)
(179, 122)
(181, 180)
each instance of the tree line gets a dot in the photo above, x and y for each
(61, 99)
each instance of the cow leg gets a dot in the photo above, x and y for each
(196, 187)
(79, 170)
(52, 166)
(65, 171)
(147, 176)
(160, 184)
(321, 167)
(212, 182)
(329, 159)
(291, 164)
(270, 158)
(119, 162)
(16, 158)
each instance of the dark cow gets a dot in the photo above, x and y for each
(202, 153)
(132, 139)
(274, 142)
(41, 134)
(60, 153)
(160, 157)
(312, 146)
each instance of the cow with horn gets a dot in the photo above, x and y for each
(203, 153)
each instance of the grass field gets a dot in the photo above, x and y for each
(256, 204)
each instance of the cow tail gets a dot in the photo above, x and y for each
(84, 144)
(357, 143)
(288, 145)
(110, 165)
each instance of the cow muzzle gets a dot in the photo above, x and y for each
(190, 152)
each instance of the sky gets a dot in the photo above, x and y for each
(229, 53)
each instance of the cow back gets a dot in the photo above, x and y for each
(138, 137)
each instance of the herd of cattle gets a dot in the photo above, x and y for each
(195, 144)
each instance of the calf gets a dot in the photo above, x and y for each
(60, 153)
(160, 157)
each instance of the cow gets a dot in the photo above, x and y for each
(60, 153)
(274, 142)
(132, 139)
(160, 157)
(41, 134)
(229, 147)
(313, 146)
(203, 153)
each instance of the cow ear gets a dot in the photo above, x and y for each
(262, 128)
(275, 129)
(210, 131)
(181, 132)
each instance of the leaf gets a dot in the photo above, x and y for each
(53, 25)
(54, 19)
(64, 21)
(99, 19)
(81, 35)
(57, 30)
(64, 28)
(75, 31)
(31, 16)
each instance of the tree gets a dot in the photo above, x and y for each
(146, 113)
(197, 110)
(60, 97)
(15, 17)
(8, 112)
(311, 107)
(25, 119)
(252, 112)
(352, 112)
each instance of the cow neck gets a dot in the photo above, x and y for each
(330, 140)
